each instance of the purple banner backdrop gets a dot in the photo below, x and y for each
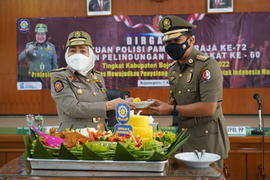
(130, 53)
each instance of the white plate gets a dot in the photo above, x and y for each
(190, 159)
(143, 104)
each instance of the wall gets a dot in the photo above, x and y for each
(236, 101)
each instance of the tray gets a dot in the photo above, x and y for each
(59, 164)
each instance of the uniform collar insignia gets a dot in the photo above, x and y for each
(73, 74)
(73, 78)
(189, 62)
(94, 76)
(192, 57)
(171, 64)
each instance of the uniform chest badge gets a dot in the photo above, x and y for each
(189, 77)
(58, 86)
(79, 91)
(206, 75)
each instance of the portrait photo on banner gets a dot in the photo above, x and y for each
(219, 6)
(98, 7)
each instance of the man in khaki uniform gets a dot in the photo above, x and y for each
(78, 90)
(196, 84)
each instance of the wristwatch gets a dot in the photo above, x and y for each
(174, 111)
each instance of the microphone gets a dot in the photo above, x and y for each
(259, 101)
(260, 131)
(257, 97)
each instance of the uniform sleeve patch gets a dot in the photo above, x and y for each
(206, 75)
(58, 86)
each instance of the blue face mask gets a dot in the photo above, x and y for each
(176, 51)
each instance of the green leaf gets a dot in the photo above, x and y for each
(122, 154)
(182, 137)
(33, 134)
(88, 154)
(177, 145)
(158, 127)
(28, 146)
(40, 152)
(179, 136)
(157, 157)
(64, 153)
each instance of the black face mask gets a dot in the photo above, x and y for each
(176, 51)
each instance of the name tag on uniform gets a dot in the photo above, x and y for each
(236, 130)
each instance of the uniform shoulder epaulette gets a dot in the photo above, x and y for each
(202, 57)
(171, 64)
(59, 69)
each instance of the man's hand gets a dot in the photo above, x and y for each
(111, 105)
(160, 107)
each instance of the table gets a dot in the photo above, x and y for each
(244, 159)
(174, 170)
